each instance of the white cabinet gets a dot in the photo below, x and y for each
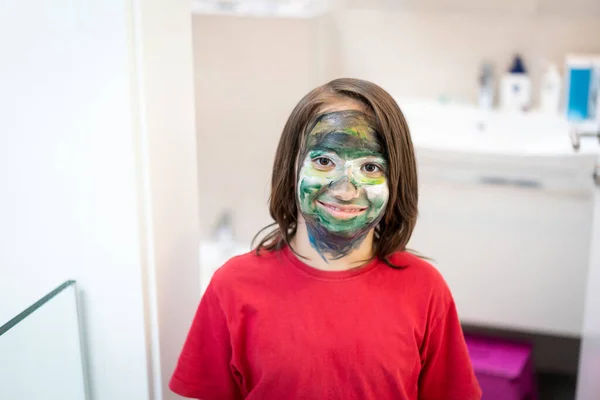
(511, 236)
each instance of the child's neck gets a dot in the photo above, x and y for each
(361, 254)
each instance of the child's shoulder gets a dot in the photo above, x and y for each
(420, 280)
(249, 264)
(418, 268)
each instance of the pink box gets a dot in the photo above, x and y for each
(503, 368)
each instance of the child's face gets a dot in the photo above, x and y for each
(342, 184)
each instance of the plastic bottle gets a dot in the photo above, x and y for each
(515, 91)
(486, 87)
(550, 91)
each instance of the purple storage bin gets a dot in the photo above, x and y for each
(503, 368)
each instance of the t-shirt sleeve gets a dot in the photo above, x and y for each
(446, 372)
(204, 369)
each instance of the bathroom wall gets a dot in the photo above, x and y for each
(250, 72)
(435, 52)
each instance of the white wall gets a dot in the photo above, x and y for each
(588, 385)
(68, 178)
(85, 192)
(250, 73)
(434, 48)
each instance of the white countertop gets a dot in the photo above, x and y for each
(463, 128)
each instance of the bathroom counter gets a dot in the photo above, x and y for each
(461, 128)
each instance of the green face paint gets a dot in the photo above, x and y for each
(342, 184)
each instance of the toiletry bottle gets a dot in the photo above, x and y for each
(515, 93)
(551, 90)
(583, 86)
(486, 87)
(223, 233)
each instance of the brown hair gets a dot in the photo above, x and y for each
(396, 227)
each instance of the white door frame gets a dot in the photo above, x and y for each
(161, 58)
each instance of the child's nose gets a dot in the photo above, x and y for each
(343, 189)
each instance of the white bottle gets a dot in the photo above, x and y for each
(486, 87)
(551, 90)
(515, 88)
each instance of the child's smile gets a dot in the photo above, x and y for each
(341, 211)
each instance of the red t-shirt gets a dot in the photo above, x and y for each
(272, 327)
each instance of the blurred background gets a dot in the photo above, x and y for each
(137, 140)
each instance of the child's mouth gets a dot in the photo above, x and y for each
(342, 211)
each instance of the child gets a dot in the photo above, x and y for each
(330, 305)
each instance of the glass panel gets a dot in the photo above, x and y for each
(40, 350)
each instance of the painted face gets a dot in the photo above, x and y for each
(342, 184)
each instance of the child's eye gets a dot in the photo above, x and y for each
(323, 163)
(372, 169)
